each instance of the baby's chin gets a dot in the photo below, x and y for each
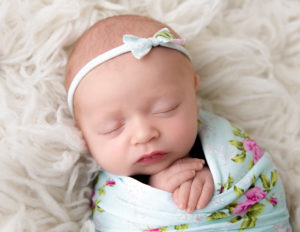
(149, 171)
(141, 169)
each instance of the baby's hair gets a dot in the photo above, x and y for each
(105, 35)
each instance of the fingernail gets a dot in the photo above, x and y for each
(181, 206)
(189, 210)
(193, 172)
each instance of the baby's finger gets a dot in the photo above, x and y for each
(186, 164)
(183, 195)
(206, 194)
(195, 194)
(175, 196)
(179, 179)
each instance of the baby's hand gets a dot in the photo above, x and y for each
(195, 193)
(178, 173)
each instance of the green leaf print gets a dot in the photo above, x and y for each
(99, 209)
(256, 210)
(164, 34)
(216, 216)
(248, 222)
(253, 182)
(227, 184)
(230, 181)
(236, 219)
(238, 191)
(237, 144)
(101, 191)
(238, 132)
(180, 228)
(239, 158)
(231, 206)
(251, 164)
(265, 181)
(95, 206)
(274, 178)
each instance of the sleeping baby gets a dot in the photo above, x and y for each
(166, 165)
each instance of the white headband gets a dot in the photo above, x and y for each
(139, 48)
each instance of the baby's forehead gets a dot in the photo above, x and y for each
(105, 35)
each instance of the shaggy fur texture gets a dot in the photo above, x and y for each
(247, 54)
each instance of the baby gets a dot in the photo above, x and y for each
(132, 92)
(139, 116)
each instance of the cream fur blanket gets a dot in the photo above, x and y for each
(246, 52)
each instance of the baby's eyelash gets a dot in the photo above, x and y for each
(112, 129)
(167, 109)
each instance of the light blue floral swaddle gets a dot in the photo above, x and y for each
(248, 193)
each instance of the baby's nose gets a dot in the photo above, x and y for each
(144, 131)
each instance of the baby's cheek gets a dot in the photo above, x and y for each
(184, 135)
(101, 152)
(109, 161)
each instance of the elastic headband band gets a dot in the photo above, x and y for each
(139, 47)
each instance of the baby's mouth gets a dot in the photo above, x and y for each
(152, 157)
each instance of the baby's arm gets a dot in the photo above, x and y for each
(195, 193)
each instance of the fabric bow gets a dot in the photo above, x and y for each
(142, 46)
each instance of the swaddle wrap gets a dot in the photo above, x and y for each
(248, 193)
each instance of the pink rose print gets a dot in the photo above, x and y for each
(242, 208)
(110, 182)
(251, 145)
(255, 194)
(273, 201)
(153, 230)
(258, 153)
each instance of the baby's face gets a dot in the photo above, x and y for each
(139, 116)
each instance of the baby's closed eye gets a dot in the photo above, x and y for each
(107, 128)
(165, 109)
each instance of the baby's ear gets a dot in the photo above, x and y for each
(196, 80)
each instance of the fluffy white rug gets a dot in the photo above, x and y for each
(246, 52)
